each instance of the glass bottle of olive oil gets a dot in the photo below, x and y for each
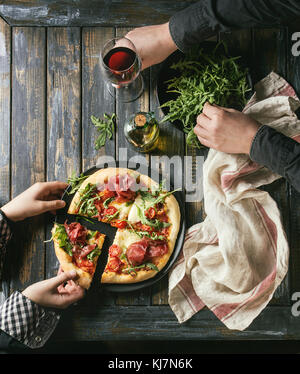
(142, 131)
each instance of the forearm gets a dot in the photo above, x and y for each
(21, 319)
(278, 153)
(207, 17)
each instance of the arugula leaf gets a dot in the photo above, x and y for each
(96, 252)
(133, 269)
(112, 216)
(107, 201)
(63, 240)
(105, 127)
(87, 199)
(75, 182)
(163, 196)
(145, 221)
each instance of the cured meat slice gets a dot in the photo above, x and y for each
(76, 232)
(136, 252)
(157, 248)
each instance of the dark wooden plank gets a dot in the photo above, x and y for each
(89, 13)
(5, 110)
(5, 59)
(28, 144)
(95, 101)
(63, 113)
(159, 323)
(170, 144)
(123, 149)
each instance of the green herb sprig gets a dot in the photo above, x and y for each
(87, 199)
(134, 269)
(105, 127)
(61, 236)
(75, 181)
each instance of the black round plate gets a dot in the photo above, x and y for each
(111, 231)
(166, 73)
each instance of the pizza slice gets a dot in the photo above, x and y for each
(77, 248)
(156, 212)
(133, 257)
(107, 195)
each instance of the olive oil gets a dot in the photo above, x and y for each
(142, 131)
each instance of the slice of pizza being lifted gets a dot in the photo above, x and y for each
(77, 248)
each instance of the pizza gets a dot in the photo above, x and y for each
(147, 218)
(77, 248)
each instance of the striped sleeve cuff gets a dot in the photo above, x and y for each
(26, 321)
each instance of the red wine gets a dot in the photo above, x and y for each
(121, 62)
(120, 58)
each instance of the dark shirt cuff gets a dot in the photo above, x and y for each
(278, 153)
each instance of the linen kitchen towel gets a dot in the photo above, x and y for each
(234, 260)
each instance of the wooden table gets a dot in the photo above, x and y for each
(50, 85)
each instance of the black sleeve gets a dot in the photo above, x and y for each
(207, 17)
(278, 153)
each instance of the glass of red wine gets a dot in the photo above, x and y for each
(121, 68)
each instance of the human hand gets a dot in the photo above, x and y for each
(153, 43)
(39, 198)
(54, 293)
(226, 130)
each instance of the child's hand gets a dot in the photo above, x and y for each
(57, 292)
(39, 198)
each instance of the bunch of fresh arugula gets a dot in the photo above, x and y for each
(203, 77)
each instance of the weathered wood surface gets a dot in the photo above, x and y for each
(5, 122)
(159, 323)
(28, 148)
(50, 85)
(89, 13)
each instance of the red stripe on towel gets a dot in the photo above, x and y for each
(186, 288)
(229, 177)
